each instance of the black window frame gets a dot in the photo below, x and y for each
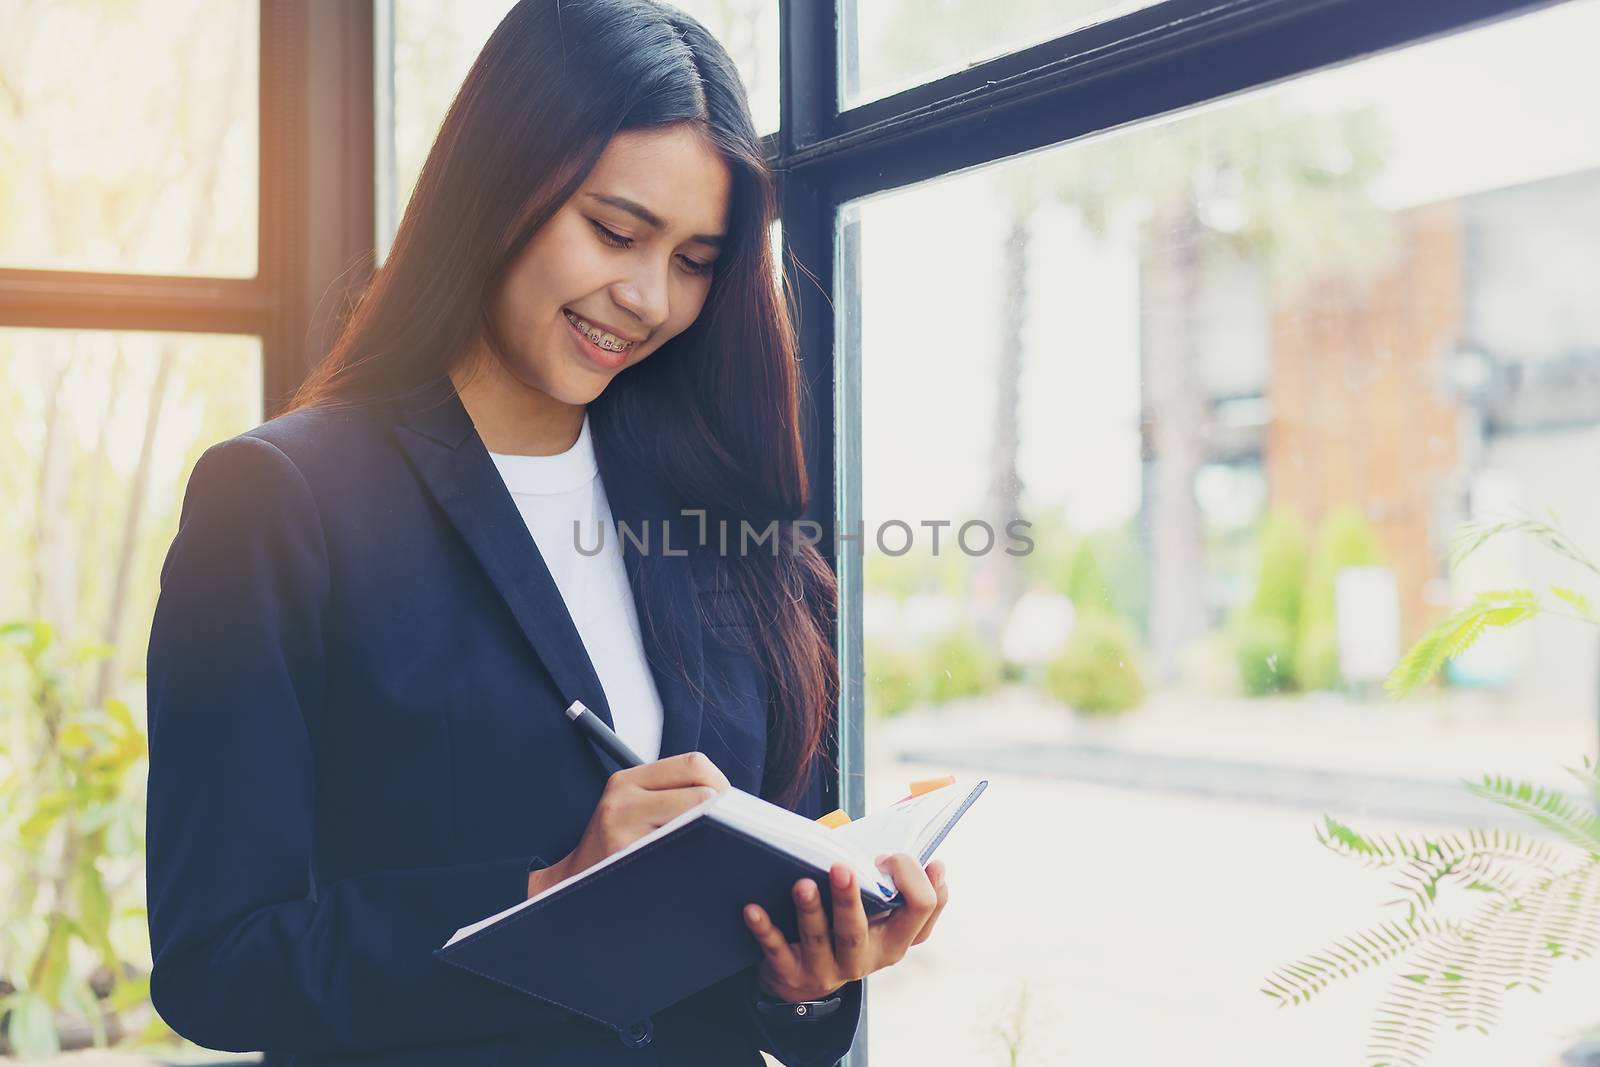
(1117, 72)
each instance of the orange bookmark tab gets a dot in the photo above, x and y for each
(834, 818)
(927, 785)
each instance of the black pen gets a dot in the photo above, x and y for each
(602, 735)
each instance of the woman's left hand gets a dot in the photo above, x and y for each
(826, 959)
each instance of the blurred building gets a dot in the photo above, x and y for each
(1462, 378)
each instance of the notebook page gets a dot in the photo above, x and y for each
(802, 837)
(909, 825)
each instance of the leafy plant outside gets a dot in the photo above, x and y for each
(1540, 897)
(72, 802)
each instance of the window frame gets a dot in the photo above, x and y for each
(1117, 72)
(314, 212)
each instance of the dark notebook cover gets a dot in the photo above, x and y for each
(654, 927)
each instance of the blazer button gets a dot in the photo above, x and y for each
(639, 1034)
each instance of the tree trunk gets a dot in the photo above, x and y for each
(54, 582)
(132, 521)
(1005, 483)
(1173, 429)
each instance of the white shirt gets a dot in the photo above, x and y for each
(553, 492)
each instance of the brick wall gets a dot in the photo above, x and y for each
(1360, 413)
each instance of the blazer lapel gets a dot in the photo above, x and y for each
(437, 435)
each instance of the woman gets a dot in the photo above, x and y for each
(377, 608)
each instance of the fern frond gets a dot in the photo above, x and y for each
(1578, 602)
(1521, 939)
(1458, 972)
(1456, 634)
(1371, 850)
(1589, 777)
(1464, 976)
(1574, 926)
(1443, 981)
(1297, 982)
(1403, 1025)
(1570, 819)
(1483, 872)
(1471, 536)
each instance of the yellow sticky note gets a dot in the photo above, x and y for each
(834, 818)
(925, 785)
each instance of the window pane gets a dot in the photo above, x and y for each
(889, 45)
(1245, 371)
(129, 134)
(98, 432)
(435, 44)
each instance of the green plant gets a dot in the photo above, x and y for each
(1086, 584)
(1263, 633)
(1280, 581)
(960, 664)
(892, 680)
(916, 571)
(72, 803)
(1500, 607)
(1263, 648)
(953, 665)
(1096, 672)
(1098, 571)
(1539, 900)
(1345, 540)
(1540, 903)
(1013, 1030)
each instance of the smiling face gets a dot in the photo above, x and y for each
(621, 268)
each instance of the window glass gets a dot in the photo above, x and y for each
(98, 433)
(889, 45)
(1244, 372)
(129, 136)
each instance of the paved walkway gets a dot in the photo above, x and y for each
(1137, 879)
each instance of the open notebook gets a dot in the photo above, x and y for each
(661, 919)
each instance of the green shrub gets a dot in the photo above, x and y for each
(960, 664)
(1316, 657)
(72, 794)
(1096, 672)
(916, 571)
(1086, 584)
(1281, 573)
(1099, 571)
(1264, 649)
(957, 664)
(1345, 540)
(1263, 633)
(893, 679)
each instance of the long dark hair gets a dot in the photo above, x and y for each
(717, 405)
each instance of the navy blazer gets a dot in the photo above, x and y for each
(358, 670)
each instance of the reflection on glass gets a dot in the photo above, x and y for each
(889, 45)
(128, 133)
(435, 44)
(1244, 372)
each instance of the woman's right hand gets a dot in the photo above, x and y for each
(635, 801)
